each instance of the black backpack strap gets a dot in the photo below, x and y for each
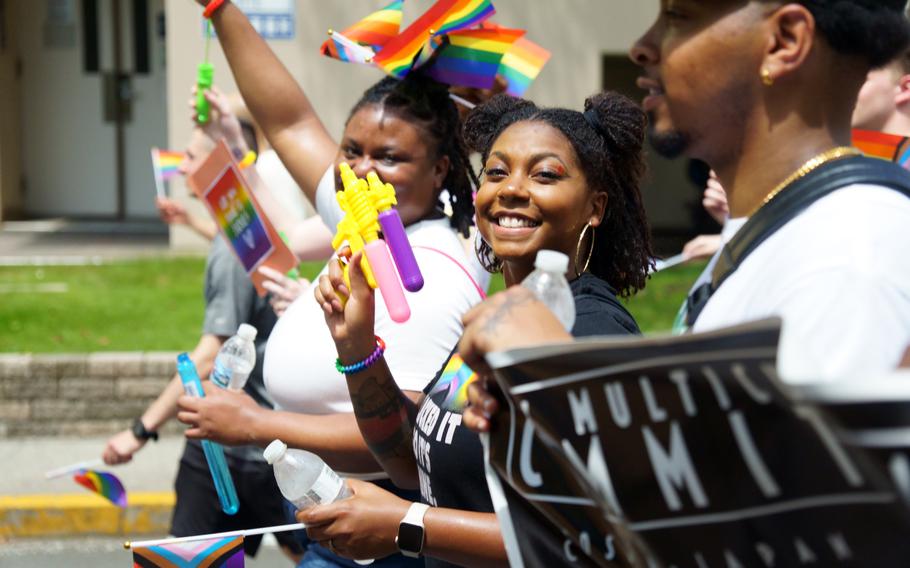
(789, 203)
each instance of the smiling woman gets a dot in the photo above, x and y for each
(562, 180)
(554, 179)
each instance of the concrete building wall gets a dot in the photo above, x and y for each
(10, 157)
(579, 33)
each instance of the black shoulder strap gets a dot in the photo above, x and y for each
(788, 204)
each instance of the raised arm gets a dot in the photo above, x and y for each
(275, 100)
(385, 414)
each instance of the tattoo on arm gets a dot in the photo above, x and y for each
(386, 416)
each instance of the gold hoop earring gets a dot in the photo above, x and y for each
(581, 237)
(766, 77)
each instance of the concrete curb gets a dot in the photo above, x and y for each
(84, 514)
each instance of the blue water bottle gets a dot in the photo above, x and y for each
(214, 453)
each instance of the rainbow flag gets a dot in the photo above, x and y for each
(891, 147)
(166, 166)
(397, 56)
(467, 15)
(471, 58)
(105, 484)
(521, 64)
(213, 553)
(374, 31)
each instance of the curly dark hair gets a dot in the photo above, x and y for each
(877, 30)
(426, 103)
(608, 139)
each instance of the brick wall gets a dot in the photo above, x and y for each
(91, 394)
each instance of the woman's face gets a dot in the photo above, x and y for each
(534, 195)
(701, 62)
(399, 153)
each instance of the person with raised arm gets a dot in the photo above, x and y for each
(409, 133)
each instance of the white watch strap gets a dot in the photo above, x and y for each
(415, 514)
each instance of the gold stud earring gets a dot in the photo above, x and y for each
(766, 77)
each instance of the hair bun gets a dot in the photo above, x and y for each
(484, 120)
(620, 121)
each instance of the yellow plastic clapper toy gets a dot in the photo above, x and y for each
(360, 229)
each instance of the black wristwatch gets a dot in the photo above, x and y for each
(141, 433)
(411, 535)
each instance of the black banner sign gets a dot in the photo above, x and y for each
(689, 452)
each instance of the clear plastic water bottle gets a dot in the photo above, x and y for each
(303, 478)
(236, 359)
(549, 284)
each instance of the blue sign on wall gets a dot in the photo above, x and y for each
(273, 19)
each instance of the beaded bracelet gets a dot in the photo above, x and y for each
(211, 7)
(369, 361)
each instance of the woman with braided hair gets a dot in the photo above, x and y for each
(409, 133)
(553, 179)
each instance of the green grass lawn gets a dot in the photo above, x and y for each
(156, 304)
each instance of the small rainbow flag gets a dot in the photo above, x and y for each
(471, 58)
(521, 64)
(374, 31)
(397, 56)
(466, 15)
(217, 552)
(105, 484)
(889, 147)
(166, 166)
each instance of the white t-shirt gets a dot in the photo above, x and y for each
(839, 277)
(300, 356)
(279, 181)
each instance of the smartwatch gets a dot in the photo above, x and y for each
(410, 531)
(141, 433)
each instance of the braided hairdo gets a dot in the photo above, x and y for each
(425, 102)
(608, 141)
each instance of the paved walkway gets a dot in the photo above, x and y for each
(59, 241)
(32, 506)
(152, 470)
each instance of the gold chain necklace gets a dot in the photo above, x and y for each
(805, 169)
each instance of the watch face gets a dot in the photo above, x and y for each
(410, 537)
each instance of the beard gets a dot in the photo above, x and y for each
(670, 144)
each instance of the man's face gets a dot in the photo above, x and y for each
(701, 62)
(197, 151)
(876, 103)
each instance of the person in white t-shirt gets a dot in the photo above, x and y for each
(778, 101)
(408, 133)
(883, 105)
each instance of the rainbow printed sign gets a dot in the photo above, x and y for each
(227, 194)
(239, 219)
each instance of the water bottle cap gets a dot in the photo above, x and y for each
(246, 331)
(552, 261)
(274, 451)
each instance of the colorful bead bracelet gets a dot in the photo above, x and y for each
(369, 361)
